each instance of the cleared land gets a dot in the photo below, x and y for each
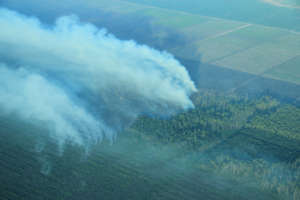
(289, 70)
(250, 48)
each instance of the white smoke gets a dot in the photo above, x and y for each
(81, 82)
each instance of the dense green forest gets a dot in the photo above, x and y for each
(217, 117)
(227, 147)
(247, 138)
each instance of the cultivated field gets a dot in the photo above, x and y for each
(245, 47)
(289, 70)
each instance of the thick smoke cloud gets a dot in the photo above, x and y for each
(124, 26)
(35, 99)
(82, 83)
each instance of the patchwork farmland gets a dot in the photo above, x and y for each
(251, 48)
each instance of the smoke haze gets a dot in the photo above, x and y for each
(81, 83)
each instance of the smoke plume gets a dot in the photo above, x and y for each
(81, 83)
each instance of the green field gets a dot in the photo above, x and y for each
(288, 70)
(231, 44)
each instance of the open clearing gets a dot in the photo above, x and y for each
(250, 48)
(289, 70)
